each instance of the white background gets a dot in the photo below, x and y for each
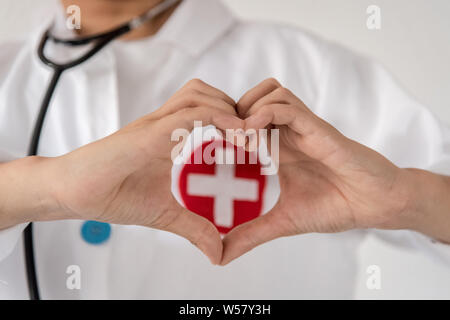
(413, 43)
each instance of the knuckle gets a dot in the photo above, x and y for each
(272, 81)
(191, 97)
(195, 82)
(282, 91)
(204, 233)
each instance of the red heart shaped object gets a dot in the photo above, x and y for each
(225, 194)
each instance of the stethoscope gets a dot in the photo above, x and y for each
(99, 41)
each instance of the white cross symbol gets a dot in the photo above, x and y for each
(224, 187)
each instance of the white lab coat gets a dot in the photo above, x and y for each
(128, 80)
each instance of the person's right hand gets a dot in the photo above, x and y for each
(125, 178)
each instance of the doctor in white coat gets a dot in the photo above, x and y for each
(99, 193)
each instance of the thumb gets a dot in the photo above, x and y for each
(199, 231)
(251, 234)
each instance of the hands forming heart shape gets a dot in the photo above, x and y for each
(328, 182)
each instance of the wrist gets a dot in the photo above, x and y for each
(44, 171)
(413, 215)
(427, 211)
(28, 192)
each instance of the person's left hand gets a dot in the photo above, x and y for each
(328, 182)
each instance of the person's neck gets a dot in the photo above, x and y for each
(102, 15)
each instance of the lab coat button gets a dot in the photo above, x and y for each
(95, 232)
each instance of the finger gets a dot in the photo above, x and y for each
(186, 118)
(251, 234)
(316, 138)
(170, 134)
(199, 231)
(280, 95)
(198, 98)
(199, 85)
(193, 99)
(295, 118)
(256, 93)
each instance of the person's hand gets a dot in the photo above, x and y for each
(328, 182)
(125, 177)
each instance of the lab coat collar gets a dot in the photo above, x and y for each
(196, 24)
(193, 26)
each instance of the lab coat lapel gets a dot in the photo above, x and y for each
(189, 33)
(84, 107)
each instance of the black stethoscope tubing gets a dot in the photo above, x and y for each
(58, 69)
(101, 40)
